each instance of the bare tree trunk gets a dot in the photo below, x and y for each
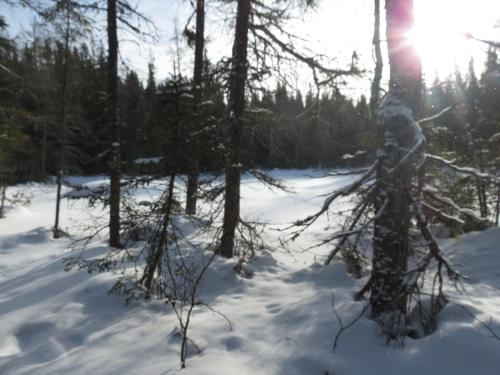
(43, 172)
(114, 194)
(397, 128)
(483, 198)
(62, 160)
(194, 162)
(3, 186)
(236, 107)
(379, 64)
(497, 206)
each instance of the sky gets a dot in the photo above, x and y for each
(335, 28)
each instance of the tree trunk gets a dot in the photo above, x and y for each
(483, 198)
(236, 107)
(194, 154)
(159, 241)
(379, 64)
(3, 186)
(497, 206)
(62, 160)
(397, 128)
(114, 193)
(43, 172)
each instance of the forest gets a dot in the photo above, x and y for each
(269, 209)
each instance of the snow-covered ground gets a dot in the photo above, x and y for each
(56, 323)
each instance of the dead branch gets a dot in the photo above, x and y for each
(468, 214)
(345, 191)
(436, 116)
(465, 170)
(487, 326)
(342, 327)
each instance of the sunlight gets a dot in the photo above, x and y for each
(440, 50)
(439, 35)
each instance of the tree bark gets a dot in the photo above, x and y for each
(159, 241)
(236, 107)
(3, 187)
(481, 187)
(114, 194)
(497, 206)
(379, 64)
(43, 172)
(62, 159)
(399, 131)
(194, 162)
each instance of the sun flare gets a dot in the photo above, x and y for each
(439, 34)
(439, 50)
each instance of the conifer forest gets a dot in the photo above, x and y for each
(265, 187)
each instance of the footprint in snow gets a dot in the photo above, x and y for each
(233, 343)
(274, 308)
(43, 342)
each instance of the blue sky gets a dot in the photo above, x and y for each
(335, 28)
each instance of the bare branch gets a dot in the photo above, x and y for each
(465, 170)
(436, 116)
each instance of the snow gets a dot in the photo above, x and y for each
(57, 323)
(350, 156)
(495, 137)
(259, 110)
(153, 160)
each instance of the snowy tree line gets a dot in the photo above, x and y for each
(289, 128)
(282, 134)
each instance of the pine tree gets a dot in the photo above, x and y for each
(476, 143)
(68, 21)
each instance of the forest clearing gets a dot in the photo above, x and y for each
(296, 187)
